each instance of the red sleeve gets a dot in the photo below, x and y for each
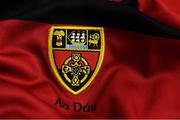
(165, 11)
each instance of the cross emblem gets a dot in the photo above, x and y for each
(77, 66)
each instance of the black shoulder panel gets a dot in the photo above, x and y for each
(86, 12)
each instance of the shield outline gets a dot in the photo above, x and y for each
(52, 61)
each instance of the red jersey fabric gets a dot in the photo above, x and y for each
(139, 76)
(165, 11)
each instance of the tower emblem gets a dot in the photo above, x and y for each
(76, 55)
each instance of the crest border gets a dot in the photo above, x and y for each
(51, 56)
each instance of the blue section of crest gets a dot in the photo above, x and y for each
(77, 47)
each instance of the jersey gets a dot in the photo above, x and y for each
(90, 59)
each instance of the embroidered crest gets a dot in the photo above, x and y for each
(76, 55)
